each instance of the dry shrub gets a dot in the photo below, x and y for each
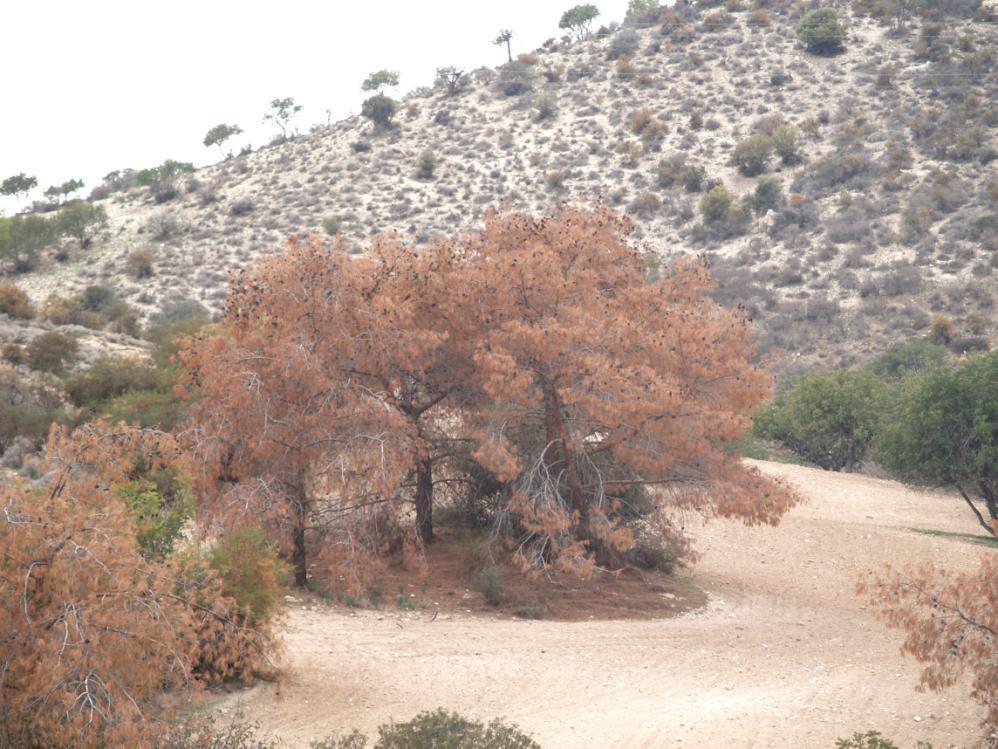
(81, 606)
(951, 625)
(15, 303)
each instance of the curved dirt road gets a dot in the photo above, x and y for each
(785, 654)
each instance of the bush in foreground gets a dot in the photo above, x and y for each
(438, 729)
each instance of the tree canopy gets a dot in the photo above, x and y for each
(578, 19)
(341, 394)
(944, 432)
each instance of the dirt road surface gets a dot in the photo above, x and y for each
(784, 655)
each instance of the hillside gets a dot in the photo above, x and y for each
(887, 218)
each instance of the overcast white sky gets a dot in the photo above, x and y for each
(98, 85)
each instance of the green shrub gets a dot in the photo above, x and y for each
(546, 107)
(515, 78)
(15, 303)
(828, 419)
(714, 206)
(82, 221)
(379, 109)
(768, 195)
(332, 224)
(251, 571)
(488, 582)
(693, 177)
(51, 352)
(426, 164)
(150, 409)
(822, 32)
(786, 143)
(443, 730)
(751, 156)
(163, 180)
(160, 509)
(181, 311)
(909, 358)
(872, 740)
(108, 378)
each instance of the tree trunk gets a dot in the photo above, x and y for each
(424, 500)
(555, 427)
(989, 527)
(299, 558)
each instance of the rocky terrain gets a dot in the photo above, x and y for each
(888, 208)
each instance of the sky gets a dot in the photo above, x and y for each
(100, 85)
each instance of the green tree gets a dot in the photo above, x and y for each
(828, 419)
(282, 111)
(505, 36)
(18, 185)
(943, 431)
(219, 134)
(578, 18)
(768, 195)
(81, 221)
(380, 109)
(63, 191)
(380, 80)
(822, 32)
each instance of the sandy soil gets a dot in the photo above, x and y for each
(784, 655)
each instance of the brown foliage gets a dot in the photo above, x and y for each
(81, 607)
(951, 625)
(631, 382)
(342, 391)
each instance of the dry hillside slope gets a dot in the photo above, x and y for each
(888, 218)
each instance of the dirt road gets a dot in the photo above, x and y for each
(784, 655)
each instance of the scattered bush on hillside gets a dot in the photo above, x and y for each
(822, 32)
(379, 109)
(767, 196)
(715, 205)
(786, 143)
(546, 107)
(751, 156)
(163, 180)
(624, 44)
(51, 352)
(15, 303)
(139, 264)
(332, 225)
(515, 78)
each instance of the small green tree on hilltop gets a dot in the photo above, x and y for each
(219, 134)
(578, 19)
